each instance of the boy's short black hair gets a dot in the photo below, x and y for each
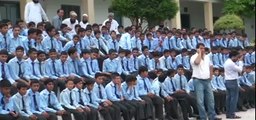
(63, 26)
(90, 82)
(184, 50)
(47, 81)
(161, 78)
(52, 50)
(34, 81)
(72, 50)
(130, 78)
(215, 69)
(77, 80)
(121, 50)
(114, 75)
(76, 36)
(3, 52)
(98, 75)
(40, 52)
(127, 52)
(166, 51)
(32, 31)
(5, 83)
(137, 49)
(170, 72)
(85, 51)
(152, 75)
(142, 69)
(144, 48)
(69, 80)
(63, 53)
(21, 85)
(94, 50)
(111, 51)
(80, 30)
(31, 50)
(20, 48)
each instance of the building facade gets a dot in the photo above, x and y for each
(192, 13)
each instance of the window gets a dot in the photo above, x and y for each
(68, 8)
(9, 10)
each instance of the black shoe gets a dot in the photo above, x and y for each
(252, 105)
(242, 108)
(247, 106)
(216, 118)
(234, 117)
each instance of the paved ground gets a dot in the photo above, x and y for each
(247, 115)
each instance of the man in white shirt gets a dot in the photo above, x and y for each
(84, 22)
(232, 67)
(72, 21)
(34, 12)
(202, 74)
(114, 23)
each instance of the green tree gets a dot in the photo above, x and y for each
(243, 8)
(229, 22)
(152, 11)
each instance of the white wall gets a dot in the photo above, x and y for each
(250, 28)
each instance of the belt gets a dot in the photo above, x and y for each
(199, 78)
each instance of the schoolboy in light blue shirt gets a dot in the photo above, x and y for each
(73, 63)
(112, 64)
(154, 63)
(85, 64)
(5, 72)
(112, 42)
(125, 40)
(176, 41)
(4, 36)
(183, 59)
(50, 42)
(121, 59)
(38, 41)
(50, 101)
(151, 42)
(29, 42)
(62, 65)
(249, 57)
(143, 59)
(100, 44)
(75, 42)
(135, 53)
(41, 56)
(173, 62)
(186, 42)
(64, 35)
(167, 43)
(165, 60)
(15, 40)
(136, 42)
(94, 62)
(17, 66)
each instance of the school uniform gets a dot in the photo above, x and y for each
(173, 63)
(38, 46)
(187, 43)
(177, 44)
(28, 43)
(143, 61)
(94, 66)
(37, 106)
(113, 44)
(7, 106)
(136, 43)
(167, 44)
(42, 70)
(183, 60)
(4, 41)
(5, 73)
(122, 61)
(219, 92)
(164, 63)
(215, 43)
(82, 101)
(247, 86)
(51, 104)
(71, 44)
(115, 95)
(64, 37)
(154, 64)
(51, 43)
(223, 42)
(249, 58)
(196, 40)
(14, 43)
(207, 43)
(151, 44)
(129, 65)
(100, 44)
(135, 63)
(104, 111)
(112, 66)
(125, 41)
(17, 68)
(85, 68)
(145, 87)
(73, 66)
(52, 71)
(32, 70)
(101, 96)
(131, 96)
(67, 100)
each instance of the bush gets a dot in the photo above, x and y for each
(229, 22)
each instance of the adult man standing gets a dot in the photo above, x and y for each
(84, 22)
(202, 74)
(56, 20)
(232, 67)
(34, 12)
(114, 23)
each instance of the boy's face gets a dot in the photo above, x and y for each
(70, 85)
(89, 87)
(113, 35)
(144, 74)
(19, 53)
(64, 30)
(33, 55)
(216, 72)
(23, 90)
(35, 87)
(117, 80)
(41, 57)
(63, 58)
(53, 55)
(135, 53)
(57, 36)
(50, 86)
(74, 55)
(33, 36)
(167, 54)
(137, 34)
(6, 91)
(3, 58)
(97, 35)
(150, 37)
(121, 54)
(76, 39)
(39, 38)
(180, 71)
(142, 37)
(248, 70)
(100, 79)
(94, 55)
(112, 55)
(16, 31)
(79, 85)
(88, 32)
(52, 32)
(4, 29)
(86, 56)
(146, 52)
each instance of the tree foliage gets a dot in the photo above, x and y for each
(229, 22)
(243, 8)
(153, 11)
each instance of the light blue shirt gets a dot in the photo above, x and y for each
(65, 99)
(51, 43)
(217, 82)
(73, 66)
(38, 101)
(151, 44)
(54, 102)
(143, 61)
(28, 44)
(180, 82)
(113, 44)
(14, 43)
(168, 86)
(13, 66)
(173, 63)
(167, 44)
(136, 43)
(156, 86)
(18, 107)
(39, 46)
(79, 98)
(125, 41)
(70, 44)
(244, 80)
(130, 93)
(62, 68)
(90, 95)
(42, 70)
(183, 60)
(191, 85)
(65, 36)
(249, 58)
(97, 89)
(52, 68)
(187, 43)
(129, 64)
(176, 42)
(112, 66)
(32, 70)
(86, 67)
(100, 44)
(113, 92)
(5, 106)
(4, 42)
(153, 64)
(94, 66)
(144, 86)
(7, 72)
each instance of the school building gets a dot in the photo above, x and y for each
(192, 13)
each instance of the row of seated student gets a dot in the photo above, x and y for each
(134, 98)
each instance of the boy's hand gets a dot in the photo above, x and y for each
(80, 110)
(33, 117)
(45, 114)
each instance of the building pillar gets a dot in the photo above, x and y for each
(176, 21)
(88, 8)
(208, 16)
(22, 7)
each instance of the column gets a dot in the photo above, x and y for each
(88, 8)
(176, 21)
(208, 17)
(22, 7)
